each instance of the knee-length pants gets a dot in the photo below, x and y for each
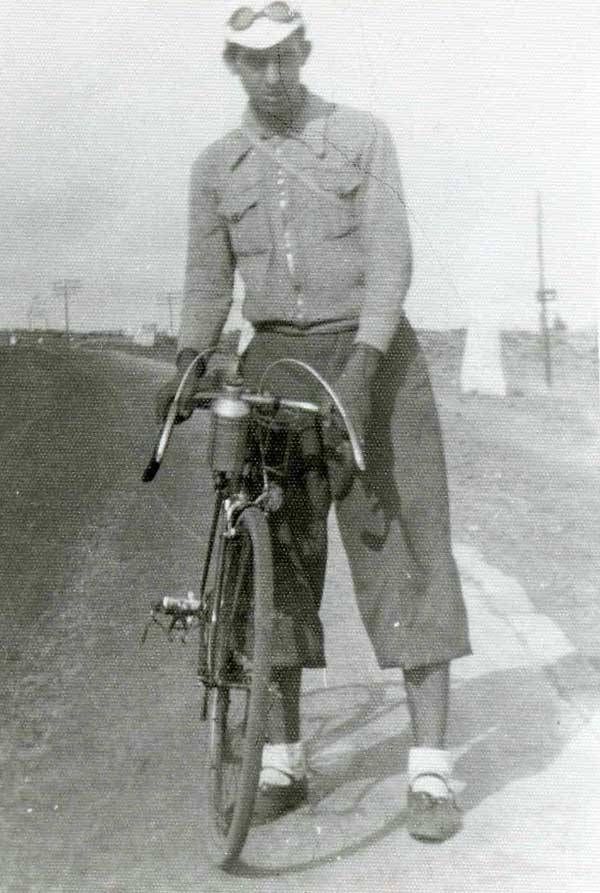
(394, 521)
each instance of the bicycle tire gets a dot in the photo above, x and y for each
(236, 713)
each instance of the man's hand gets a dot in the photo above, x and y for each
(353, 387)
(167, 391)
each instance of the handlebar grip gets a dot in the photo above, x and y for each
(150, 471)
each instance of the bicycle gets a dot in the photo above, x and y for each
(234, 610)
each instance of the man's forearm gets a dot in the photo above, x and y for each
(203, 319)
(388, 253)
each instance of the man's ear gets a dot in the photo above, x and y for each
(306, 51)
(230, 58)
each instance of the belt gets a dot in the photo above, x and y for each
(332, 327)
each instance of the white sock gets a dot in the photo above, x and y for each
(425, 764)
(283, 763)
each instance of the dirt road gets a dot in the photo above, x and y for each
(100, 743)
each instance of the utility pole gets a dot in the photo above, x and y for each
(544, 295)
(170, 298)
(33, 312)
(63, 288)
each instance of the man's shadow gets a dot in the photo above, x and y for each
(507, 722)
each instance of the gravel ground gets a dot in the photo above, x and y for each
(99, 743)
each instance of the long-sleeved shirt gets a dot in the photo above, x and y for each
(314, 220)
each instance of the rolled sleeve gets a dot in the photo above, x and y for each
(386, 241)
(208, 291)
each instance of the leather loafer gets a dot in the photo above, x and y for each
(432, 818)
(273, 801)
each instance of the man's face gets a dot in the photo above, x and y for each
(271, 77)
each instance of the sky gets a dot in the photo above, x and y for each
(104, 106)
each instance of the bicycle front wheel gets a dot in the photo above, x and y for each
(240, 658)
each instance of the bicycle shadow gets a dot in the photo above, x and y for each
(505, 724)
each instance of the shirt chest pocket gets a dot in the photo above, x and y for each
(337, 201)
(246, 221)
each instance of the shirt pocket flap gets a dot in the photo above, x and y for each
(338, 181)
(236, 204)
(244, 214)
(338, 203)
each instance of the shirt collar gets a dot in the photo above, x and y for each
(252, 122)
(310, 126)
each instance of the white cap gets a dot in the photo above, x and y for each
(264, 32)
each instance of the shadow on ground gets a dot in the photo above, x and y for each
(507, 726)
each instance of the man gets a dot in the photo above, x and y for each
(304, 199)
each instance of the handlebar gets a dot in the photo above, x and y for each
(204, 399)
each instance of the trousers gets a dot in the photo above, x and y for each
(394, 521)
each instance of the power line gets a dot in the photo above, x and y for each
(170, 298)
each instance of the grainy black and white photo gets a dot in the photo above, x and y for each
(300, 447)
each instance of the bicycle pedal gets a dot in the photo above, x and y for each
(184, 606)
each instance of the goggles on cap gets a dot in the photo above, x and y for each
(244, 17)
